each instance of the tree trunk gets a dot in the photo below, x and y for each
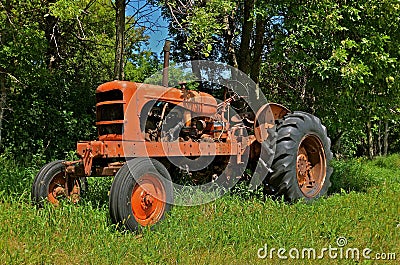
(2, 103)
(336, 143)
(379, 151)
(196, 70)
(370, 140)
(52, 36)
(4, 38)
(244, 55)
(229, 21)
(120, 6)
(386, 139)
(257, 54)
(229, 25)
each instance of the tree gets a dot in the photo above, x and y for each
(53, 55)
(225, 30)
(338, 60)
(120, 6)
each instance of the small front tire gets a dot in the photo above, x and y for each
(51, 185)
(140, 194)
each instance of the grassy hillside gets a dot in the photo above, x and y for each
(363, 207)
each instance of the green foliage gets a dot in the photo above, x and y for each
(141, 66)
(361, 174)
(53, 56)
(338, 60)
(67, 10)
(241, 190)
(97, 193)
(16, 177)
(205, 22)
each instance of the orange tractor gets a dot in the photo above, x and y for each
(148, 133)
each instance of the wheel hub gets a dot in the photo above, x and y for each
(303, 171)
(303, 165)
(58, 191)
(147, 200)
(59, 188)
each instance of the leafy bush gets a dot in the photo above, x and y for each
(16, 177)
(360, 174)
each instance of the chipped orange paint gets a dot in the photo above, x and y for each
(131, 141)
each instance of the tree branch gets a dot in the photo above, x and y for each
(92, 41)
(173, 15)
(8, 16)
(13, 77)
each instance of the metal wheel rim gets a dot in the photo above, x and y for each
(56, 188)
(148, 199)
(311, 165)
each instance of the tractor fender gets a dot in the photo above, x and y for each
(265, 119)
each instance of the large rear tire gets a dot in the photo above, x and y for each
(300, 169)
(140, 194)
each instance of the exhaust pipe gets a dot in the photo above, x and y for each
(166, 49)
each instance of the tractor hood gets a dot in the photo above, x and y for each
(198, 102)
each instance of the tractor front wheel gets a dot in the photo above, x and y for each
(140, 194)
(51, 184)
(300, 169)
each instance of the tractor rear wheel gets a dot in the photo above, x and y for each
(140, 194)
(300, 169)
(51, 184)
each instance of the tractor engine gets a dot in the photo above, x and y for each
(166, 122)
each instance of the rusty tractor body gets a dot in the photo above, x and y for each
(142, 128)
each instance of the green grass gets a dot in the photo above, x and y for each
(363, 206)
